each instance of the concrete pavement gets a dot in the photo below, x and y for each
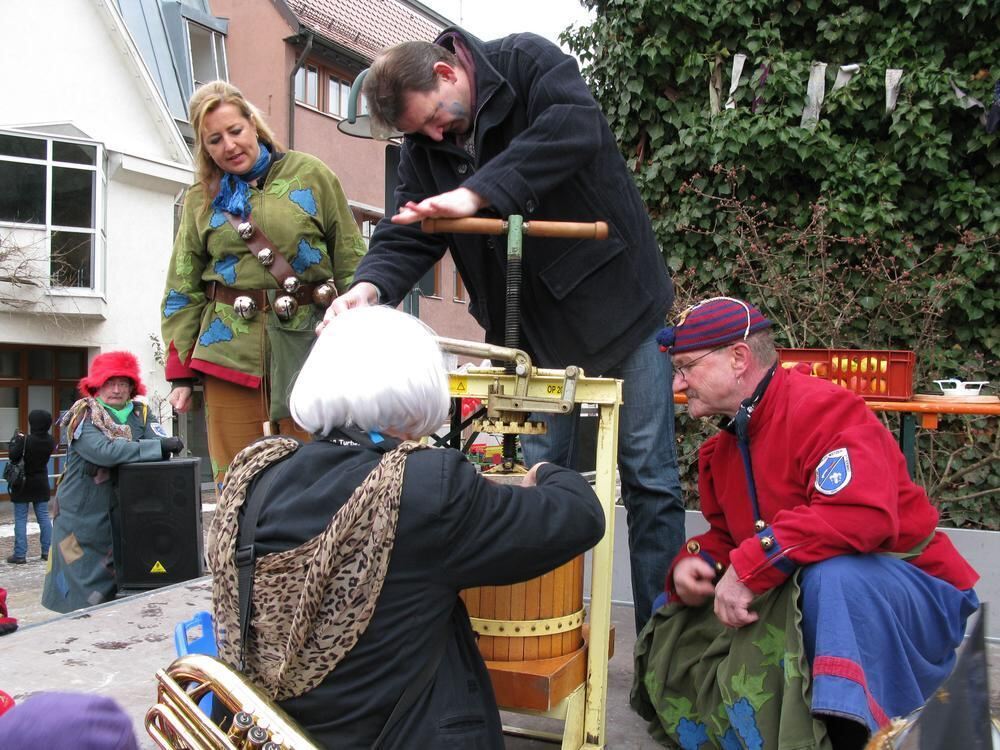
(115, 649)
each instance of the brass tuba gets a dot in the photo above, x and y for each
(176, 722)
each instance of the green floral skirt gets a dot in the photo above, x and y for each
(702, 685)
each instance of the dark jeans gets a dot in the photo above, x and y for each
(647, 464)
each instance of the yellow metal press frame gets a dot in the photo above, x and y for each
(584, 728)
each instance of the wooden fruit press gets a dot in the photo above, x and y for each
(542, 657)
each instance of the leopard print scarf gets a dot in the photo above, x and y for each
(312, 603)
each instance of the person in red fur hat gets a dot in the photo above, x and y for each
(104, 429)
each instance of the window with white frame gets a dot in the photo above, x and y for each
(208, 54)
(327, 89)
(53, 189)
(307, 85)
(367, 228)
(338, 96)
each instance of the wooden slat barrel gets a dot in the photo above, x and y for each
(548, 608)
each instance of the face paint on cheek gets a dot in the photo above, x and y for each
(457, 109)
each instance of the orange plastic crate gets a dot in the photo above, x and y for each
(878, 375)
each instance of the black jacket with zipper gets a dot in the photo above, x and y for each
(543, 150)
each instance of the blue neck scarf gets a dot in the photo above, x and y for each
(234, 191)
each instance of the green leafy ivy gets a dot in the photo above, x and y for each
(869, 229)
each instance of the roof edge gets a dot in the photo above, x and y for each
(431, 14)
(288, 14)
(164, 119)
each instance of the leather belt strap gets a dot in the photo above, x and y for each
(279, 268)
(227, 294)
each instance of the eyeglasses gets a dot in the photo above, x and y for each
(682, 316)
(685, 369)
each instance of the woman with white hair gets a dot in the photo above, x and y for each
(363, 539)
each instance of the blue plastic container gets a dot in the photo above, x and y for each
(197, 636)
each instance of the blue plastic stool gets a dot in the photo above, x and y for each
(197, 636)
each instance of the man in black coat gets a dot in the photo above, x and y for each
(510, 127)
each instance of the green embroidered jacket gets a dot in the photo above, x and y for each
(302, 208)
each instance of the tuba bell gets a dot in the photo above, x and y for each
(176, 722)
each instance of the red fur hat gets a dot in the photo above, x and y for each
(112, 365)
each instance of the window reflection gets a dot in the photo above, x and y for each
(40, 364)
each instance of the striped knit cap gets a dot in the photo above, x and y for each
(710, 323)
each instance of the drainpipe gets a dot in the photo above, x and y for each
(291, 88)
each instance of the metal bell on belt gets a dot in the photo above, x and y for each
(324, 294)
(245, 307)
(245, 230)
(266, 256)
(290, 284)
(285, 307)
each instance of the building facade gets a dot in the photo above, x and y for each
(91, 163)
(296, 60)
(95, 155)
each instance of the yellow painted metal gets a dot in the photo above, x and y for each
(586, 711)
(571, 711)
(527, 628)
(475, 383)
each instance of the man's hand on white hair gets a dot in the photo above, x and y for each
(363, 294)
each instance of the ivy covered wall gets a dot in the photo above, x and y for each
(871, 222)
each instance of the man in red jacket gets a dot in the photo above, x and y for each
(822, 558)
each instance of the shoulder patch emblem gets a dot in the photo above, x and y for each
(833, 472)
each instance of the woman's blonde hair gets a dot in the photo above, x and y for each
(205, 100)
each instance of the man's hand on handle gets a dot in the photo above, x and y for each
(455, 204)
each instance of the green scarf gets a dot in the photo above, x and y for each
(121, 415)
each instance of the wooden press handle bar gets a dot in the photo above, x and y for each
(597, 230)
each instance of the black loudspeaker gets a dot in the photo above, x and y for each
(159, 523)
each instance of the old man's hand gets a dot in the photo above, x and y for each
(693, 581)
(732, 601)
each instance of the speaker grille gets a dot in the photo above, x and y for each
(160, 523)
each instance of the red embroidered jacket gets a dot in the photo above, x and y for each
(871, 504)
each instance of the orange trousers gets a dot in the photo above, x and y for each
(235, 417)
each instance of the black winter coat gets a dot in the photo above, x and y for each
(543, 150)
(456, 530)
(36, 448)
